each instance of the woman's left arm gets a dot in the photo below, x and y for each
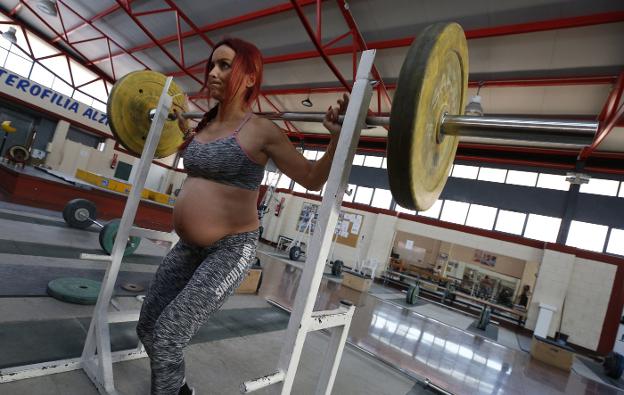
(313, 175)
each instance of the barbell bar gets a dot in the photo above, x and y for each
(558, 132)
(425, 124)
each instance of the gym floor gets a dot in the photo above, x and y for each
(391, 344)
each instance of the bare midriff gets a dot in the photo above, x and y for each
(206, 211)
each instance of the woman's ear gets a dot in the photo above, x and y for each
(250, 80)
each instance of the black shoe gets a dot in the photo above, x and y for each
(186, 390)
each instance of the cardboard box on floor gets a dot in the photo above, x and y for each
(357, 282)
(250, 283)
(552, 353)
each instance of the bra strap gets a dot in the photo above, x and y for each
(247, 117)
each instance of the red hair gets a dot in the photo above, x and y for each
(247, 61)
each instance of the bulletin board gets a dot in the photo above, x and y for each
(347, 230)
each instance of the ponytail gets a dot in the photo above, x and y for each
(208, 117)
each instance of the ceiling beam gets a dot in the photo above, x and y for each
(609, 117)
(546, 25)
(128, 11)
(88, 22)
(57, 46)
(319, 46)
(359, 39)
(252, 16)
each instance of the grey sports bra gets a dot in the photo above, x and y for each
(224, 160)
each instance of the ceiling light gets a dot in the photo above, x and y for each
(9, 35)
(306, 102)
(47, 7)
(474, 107)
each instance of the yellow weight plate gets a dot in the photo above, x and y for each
(6, 126)
(129, 104)
(433, 81)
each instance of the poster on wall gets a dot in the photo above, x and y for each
(347, 228)
(308, 213)
(484, 258)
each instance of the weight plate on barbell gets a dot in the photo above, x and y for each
(433, 81)
(79, 213)
(129, 104)
(107, 238)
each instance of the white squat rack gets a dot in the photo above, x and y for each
(303, 319)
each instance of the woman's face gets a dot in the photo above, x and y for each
(220, 69)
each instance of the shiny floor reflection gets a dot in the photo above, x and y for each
(456, 360)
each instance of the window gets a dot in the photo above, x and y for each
(80, 74)
(59, 65)
(599, 186)
(553, 181)
(98, 105)
(510, 222)
(349, 193)
(616, 242)
(18, 65)
(433, 211)
(373, 161)
(384, 163)
(41, 75)
(401, 209)
(310, 155)
(462, 171)
(543, 228)
(358, 160)
(3, 55)
(95, 89)
(61, 87)
(39, 47)
(382, 198)
(481, 216)
(299, 188)
(621, 194)
(587, 236)
(492, 175)
(81, 97)
(284, 182)
(270, 178)
(455, 212)
(363, 195)
(526, 178)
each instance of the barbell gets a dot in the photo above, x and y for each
(425, 122)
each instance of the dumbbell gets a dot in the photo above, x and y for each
(81, 214)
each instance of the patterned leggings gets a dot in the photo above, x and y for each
(190, 284)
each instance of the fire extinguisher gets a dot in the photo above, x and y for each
(114, 161)
(279, 206)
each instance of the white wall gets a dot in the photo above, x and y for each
(55, 150)
(586, 301)
(551, 287)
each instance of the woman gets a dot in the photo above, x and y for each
(215, 214)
